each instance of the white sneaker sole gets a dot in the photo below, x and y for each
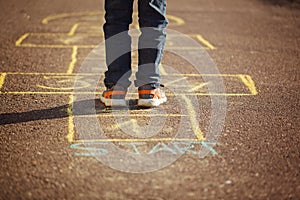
(113, 102)
(148, 103)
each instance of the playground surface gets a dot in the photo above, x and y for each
(47, 145)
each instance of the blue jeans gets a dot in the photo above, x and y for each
(152, 22)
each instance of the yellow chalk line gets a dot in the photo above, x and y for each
(162, 70)
(53, 88)
(132, 115)
(73, 60)
(73, 29)
(139, 140)
(94, 33)
(65, 15)
(200, 75)
(70, 136)
(192, 114)
(57, 46)
(178, 20)
(92, 74)
(205, 42)
(21, 39)
(2, 78)
(72, 33)
(69, 34)
(86, 23)
(131, 121)
(247, 80)
(169, 94)
(48, 73)
(201, 85)
(50, 35)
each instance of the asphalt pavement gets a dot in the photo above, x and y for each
(239, 140)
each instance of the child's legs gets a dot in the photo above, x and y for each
(118, 16)
(153, 21)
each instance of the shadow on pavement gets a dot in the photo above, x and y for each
(62, 112)
(289, 3)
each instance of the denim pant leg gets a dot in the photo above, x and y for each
(118, 16)
(152, 21)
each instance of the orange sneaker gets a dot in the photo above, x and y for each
(114, 96)
(151, 97)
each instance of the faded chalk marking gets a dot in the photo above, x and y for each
(120, 125)
(193, 118)
(134, 146)
(247, 80)
(161, 147)
(175, 21)
(132, 115)
(162, 69)
(178, 21)
(183, 147)
(62, 80)
(55, 35)
(213, 75)
(92, 74)
(73, 60)
(2, 79)
(45, 73)
(138, 148)
(205, 42)
(86, 147)
(71, 37)
(71, 130)
(50, 35)
(208, 146)
(86, 46)
(73, 29)
(58, 92)
(201, 85)
(140, 140)
(21, 39)
(175, 81)
(57, 46)
(59, 34)
(66, 15)
(83, 46)
(168, 94)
